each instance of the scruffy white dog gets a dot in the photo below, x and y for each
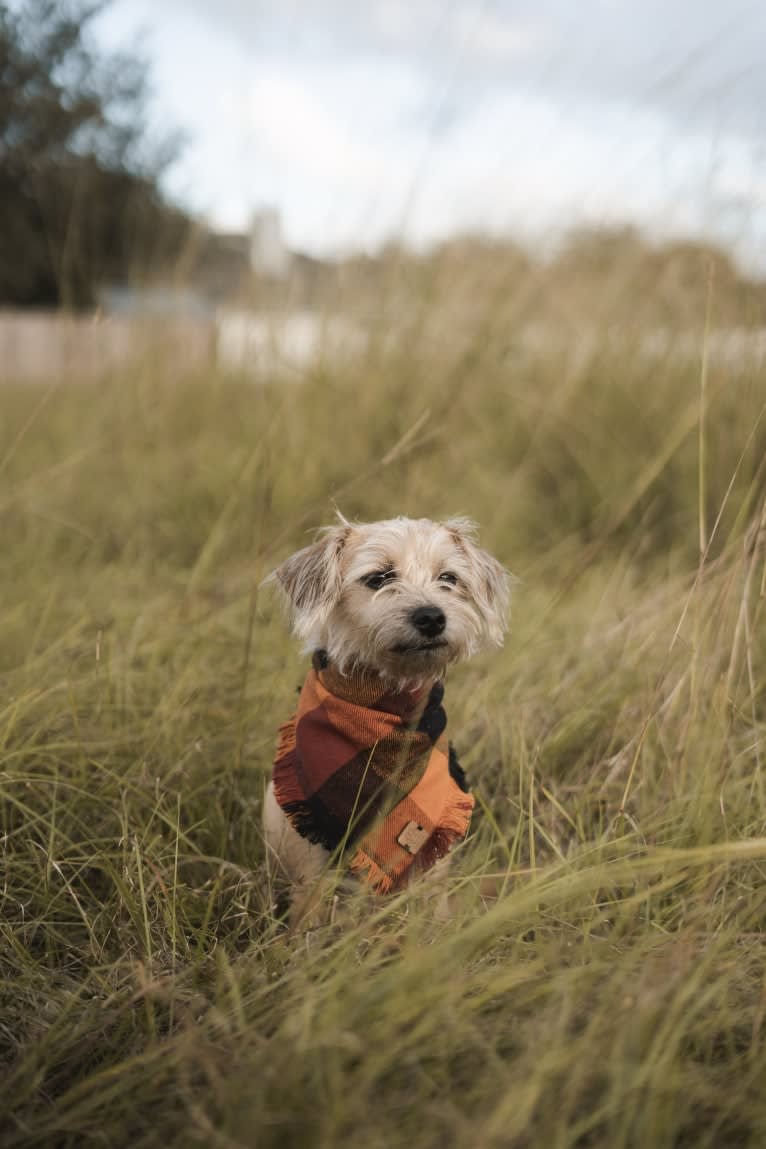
(364, 773)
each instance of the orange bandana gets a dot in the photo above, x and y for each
(360, 766)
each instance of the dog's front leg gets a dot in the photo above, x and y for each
(304, 864)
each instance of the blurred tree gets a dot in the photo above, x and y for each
(80, 201)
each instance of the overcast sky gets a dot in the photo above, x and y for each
(366, 119)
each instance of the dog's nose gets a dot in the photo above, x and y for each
(428, 620)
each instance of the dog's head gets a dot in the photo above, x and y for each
(403, 597)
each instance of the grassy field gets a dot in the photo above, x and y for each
(603, 979)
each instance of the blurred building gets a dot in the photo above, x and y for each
(269, 256)
(253, 268)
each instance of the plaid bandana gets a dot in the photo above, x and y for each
(363, 767)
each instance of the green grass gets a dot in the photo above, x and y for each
(602, 981)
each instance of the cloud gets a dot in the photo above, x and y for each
(693, 60)
(363, 121)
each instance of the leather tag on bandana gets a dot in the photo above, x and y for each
(412, 837)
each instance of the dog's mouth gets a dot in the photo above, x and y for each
(424, 646)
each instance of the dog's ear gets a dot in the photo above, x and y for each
(311, 580)
(490, 584)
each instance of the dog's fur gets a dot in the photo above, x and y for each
(419, 563)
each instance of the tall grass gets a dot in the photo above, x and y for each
(601, 982)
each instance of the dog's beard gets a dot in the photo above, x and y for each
(385, 641)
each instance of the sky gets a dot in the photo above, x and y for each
(419, 119)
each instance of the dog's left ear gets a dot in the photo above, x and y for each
(311, 581)
(491, 583)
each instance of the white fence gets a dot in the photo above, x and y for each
(49, 347)
(285, 344)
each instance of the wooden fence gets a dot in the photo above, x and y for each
(49, 347)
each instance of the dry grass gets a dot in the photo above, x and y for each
(602, 982)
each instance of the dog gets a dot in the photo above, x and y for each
(364, 774)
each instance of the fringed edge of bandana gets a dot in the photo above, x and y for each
(453, 827)
(287, 789)
(287, 737)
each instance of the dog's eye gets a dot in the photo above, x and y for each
(379, 579)
(448, 577)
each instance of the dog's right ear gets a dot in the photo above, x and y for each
(311, 581)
